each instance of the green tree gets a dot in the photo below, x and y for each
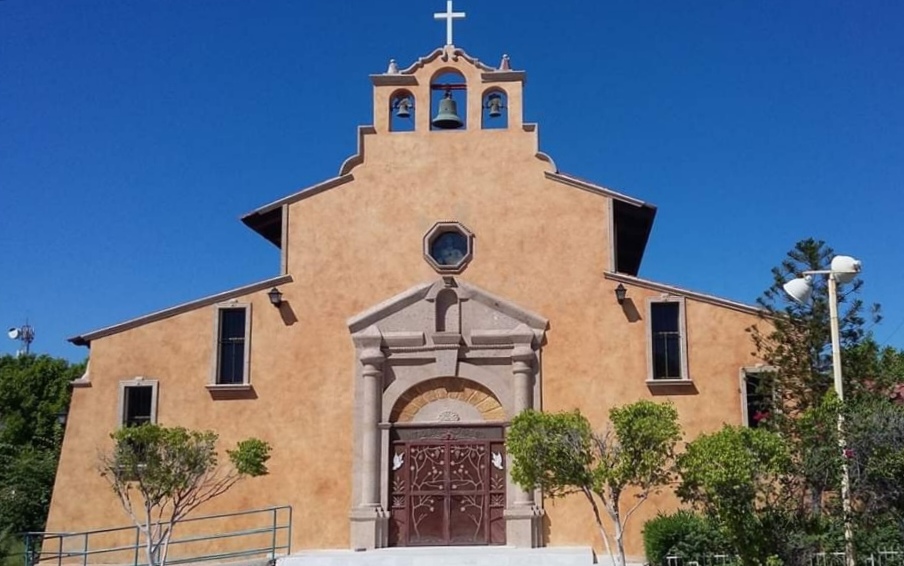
(815, 453)
(161, 474)
(875, 437)
(733, 475)
(560, 454)
(795, 338)
(28, 475)
(879, 370)
(874, 432)
(34, 390)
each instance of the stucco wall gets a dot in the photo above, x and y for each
(538, 243)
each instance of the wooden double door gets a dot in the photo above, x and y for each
(447, 487)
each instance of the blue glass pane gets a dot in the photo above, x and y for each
(449, 248)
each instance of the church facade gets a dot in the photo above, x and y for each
(449, 277)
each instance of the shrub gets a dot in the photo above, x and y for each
(886, 533)
(12, 550)
(683, 533)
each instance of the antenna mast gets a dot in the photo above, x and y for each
(24, 334)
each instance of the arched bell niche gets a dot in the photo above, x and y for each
(494, 109)
(402, 111)
(448, 101)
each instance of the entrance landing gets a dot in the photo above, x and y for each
(445, 556)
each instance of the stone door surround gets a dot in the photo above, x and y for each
(438, 352)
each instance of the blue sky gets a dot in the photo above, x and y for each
(134, 134)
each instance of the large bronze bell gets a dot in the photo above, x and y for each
(447, 115)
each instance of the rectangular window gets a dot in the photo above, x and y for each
(667, 345)
(232, 341)
(137, 402)
(138, 405)
(666, 341)
(757, 397)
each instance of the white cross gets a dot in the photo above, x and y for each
(449, 15)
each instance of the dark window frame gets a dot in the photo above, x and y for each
(666, 339)
(231, 366)
(126, 389)
(759, 400)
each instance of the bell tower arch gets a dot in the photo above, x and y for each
(466, 80)
(449, 100)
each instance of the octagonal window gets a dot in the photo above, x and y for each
(447, 247)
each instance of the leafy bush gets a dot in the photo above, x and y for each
(734, 475)
(797, 537)
(26, 481)
(12, 549)
(885, 533)
(683, 533)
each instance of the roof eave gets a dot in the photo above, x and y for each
(85, 339)
(263, 219)
(673, 290)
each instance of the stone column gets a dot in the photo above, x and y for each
(522, 516)
(372, 375)
(368, 521)
(522, 370)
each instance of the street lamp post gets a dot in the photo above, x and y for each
(843, 270)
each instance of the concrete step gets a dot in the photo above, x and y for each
(445, 556)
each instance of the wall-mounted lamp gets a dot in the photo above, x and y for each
(620, 294)
(62, 417)
(275, 297)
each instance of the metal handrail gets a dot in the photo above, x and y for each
(37, 543)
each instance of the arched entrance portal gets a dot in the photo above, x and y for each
(447, 478)
(440, 370)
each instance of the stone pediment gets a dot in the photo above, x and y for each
(447, 313)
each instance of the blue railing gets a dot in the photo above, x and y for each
(271, 538)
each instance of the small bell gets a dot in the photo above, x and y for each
(494, 103)
(403, 107)
(447, 115)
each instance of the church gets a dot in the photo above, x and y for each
(448, 277)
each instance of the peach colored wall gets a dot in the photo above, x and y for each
(178, 353)
(718, 347)
(538, 243)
